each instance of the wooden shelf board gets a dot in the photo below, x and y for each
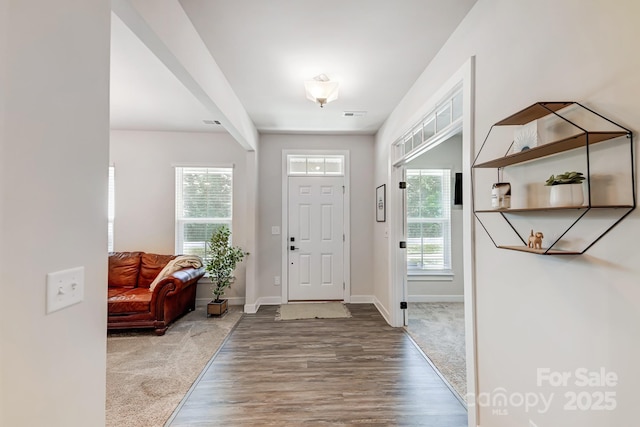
(551, 148)
(553, 208)
(533, 112)
(539, 251)
(613, 207)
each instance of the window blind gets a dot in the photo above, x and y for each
(429, 219)
(204, 201)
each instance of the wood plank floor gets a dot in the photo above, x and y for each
(319, 372)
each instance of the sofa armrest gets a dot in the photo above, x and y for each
(188, 275)
(173, 284)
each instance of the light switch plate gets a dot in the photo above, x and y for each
(275, 230)
(64, 288)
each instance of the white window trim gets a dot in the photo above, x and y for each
(179, 229)
(204, 165)
(448, 254)
(430, 276)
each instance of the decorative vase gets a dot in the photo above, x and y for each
(217, 308)
(566, 195)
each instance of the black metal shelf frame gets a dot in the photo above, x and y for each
(534, 112)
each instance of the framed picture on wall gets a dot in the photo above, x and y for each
(380, 203)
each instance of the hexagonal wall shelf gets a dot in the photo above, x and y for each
(544, 139)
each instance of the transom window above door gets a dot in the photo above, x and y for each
(437, 126)
(330, 165)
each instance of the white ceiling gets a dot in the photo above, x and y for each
(376, 49)
(145, 95)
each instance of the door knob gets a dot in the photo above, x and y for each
(293, 248)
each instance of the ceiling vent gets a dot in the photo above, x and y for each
(354, 113)
(211, 122)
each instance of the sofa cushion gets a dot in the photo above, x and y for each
(132, 301)
(112, 292)
(124, 268)
(150, 266)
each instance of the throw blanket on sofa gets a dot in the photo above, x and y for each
(178, 263)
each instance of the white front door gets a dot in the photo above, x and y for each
(316, 238)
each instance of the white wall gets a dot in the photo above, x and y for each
(561, 313)
(54, 86)
(145, 191)
(270, 206)
(4, 54)
(447, 155)
(381, 255)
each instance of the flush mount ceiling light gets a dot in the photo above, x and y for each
(321, 90)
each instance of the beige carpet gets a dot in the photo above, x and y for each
(438, 329)
(323, 310)
(147, 375)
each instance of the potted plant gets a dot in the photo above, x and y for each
(566, 189)
(220, 266)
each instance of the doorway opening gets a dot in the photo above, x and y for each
(449, 116)
(434, 256)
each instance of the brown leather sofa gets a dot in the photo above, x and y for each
(131, 302)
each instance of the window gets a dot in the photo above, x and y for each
(439, 124)
(428, 220)
(111, 207)
(315, 165)
(203, 203)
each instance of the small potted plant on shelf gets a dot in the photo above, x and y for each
(220, 266)
(566, 189)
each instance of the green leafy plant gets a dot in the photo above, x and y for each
(223, 261)
(566, 178)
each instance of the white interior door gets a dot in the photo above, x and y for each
(316, 238)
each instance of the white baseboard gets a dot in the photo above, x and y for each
(253, 308)
(436, 298)
(269, 301)
(362, 299)
(383, 311)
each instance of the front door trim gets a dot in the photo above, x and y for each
(284, 227)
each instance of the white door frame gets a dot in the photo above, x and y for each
(466, 75)
(284, 228)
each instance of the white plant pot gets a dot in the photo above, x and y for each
(566, 195)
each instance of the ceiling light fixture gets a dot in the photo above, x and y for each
(321, 90)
